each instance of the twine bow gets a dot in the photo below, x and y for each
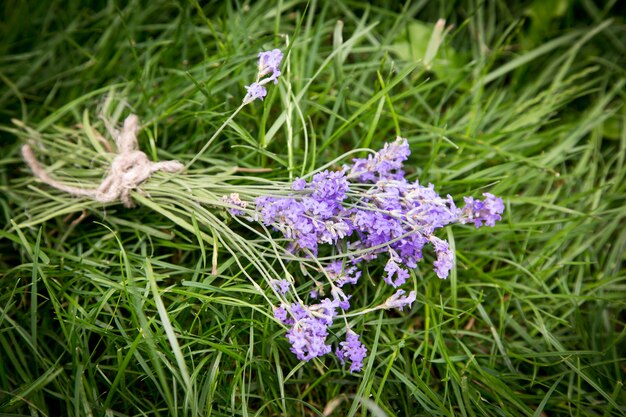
(129, 168)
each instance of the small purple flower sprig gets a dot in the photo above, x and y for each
(364, 211)
(268, 71)
(269, 62)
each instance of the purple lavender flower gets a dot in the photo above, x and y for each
(427, 210)
(281, 285)
(329, 186)
(298, 184)
(445, 257)
(234, 200)
(325, 311)
(345, 304)
(310, 329)
(488, 211)
(317, 217)
(308, 339)
(299, 311)
(393, 268)
(410, 248)
(352, 350)
(384, 164)
(254, 91)
(377, 228)
(399, 301)
(269, 61)
(291, 218)
(281, 315)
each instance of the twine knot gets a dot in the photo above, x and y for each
(129, 168)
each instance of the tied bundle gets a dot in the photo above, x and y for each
(128, 170)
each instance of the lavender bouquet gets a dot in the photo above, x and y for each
(329, 223)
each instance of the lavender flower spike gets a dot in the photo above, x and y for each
(281, 285)
(489, 210)
(269, 61)
(308, 338)
(445, 257)
(353, 350)
(254, 91)
(234, 200)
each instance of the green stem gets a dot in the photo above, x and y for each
(217, 132)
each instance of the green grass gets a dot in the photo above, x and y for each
(115, 312)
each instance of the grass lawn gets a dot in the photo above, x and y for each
(166, 309)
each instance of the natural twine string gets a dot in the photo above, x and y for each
(129, 168)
